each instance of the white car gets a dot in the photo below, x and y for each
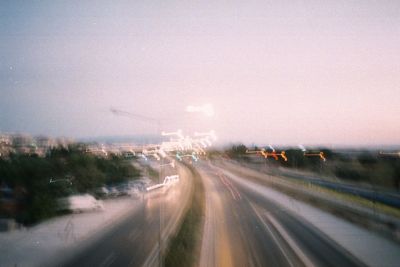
(83, 203)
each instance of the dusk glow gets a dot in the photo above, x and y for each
(311, 73)
(200, 133)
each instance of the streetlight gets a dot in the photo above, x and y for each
(210, 134)
(177, 133)
(157, 122)
(319, 154)
(267, 154)
(206, 109)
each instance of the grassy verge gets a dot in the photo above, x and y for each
(302, 191)
(184, 249)
(152, 173)
(350, 198)
(379, 207)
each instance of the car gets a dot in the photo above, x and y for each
(82, 203)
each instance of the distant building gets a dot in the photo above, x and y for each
(5, 145)
(21, 140)
(44, 142)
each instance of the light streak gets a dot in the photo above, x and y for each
(396, 154)
(206, 109)
(302, 148)
(60, 180)
(273, 149)
(168, 180)
(143, 156)
(207, 141)
(320, 154)
(155, 152)
(267, 154)
(199, 150)
(203, 143)
(171, 146)
(156, 156)
(187, 142)
(152, 153)
(177, 133)
(172, 164)
(210, 134)
(119, 112)
(192, 155)
(161, 152)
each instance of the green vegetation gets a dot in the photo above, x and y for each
(237, 151)
(152, 173)
(361, 166)
(184, 249)
(71, 171)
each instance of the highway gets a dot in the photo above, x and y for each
(245, 228)
(390, 198)
(134, 241)
(244, 225)
(376, 194)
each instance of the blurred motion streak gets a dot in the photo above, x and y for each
(168, 180)
(267, 154)
(206, 109)
(320, 154)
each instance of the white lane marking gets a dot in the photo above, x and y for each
(133, 235)
(234, 192)
(272, 234)
(232, 186)
(108, 260)
(227, 186)
(289, 240)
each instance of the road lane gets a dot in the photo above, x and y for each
(233, 234)
(368, 246)
(134, 241)
(258, 231)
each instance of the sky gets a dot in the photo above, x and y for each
(276, 72)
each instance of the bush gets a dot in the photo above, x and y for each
(74, 171)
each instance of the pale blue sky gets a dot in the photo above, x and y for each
(276, 71)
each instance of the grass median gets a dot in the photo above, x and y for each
(184, 249)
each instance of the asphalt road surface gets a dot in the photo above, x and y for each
(134, 241)
(245, 228)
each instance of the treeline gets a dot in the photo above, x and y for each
(31, 185)
(363, 166)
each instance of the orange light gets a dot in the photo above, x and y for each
(266, 154)
(283, 155)
(320, 155)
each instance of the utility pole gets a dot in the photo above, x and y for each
(156, 122)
